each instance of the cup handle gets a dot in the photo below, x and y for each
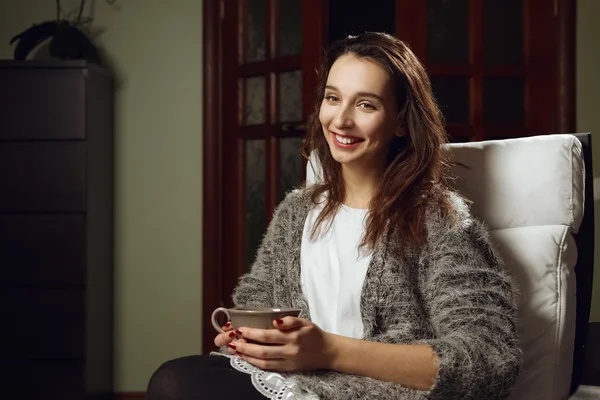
(213, 318)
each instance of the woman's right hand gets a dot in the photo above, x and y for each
(226, 337)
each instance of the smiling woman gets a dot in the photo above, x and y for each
(401, 294)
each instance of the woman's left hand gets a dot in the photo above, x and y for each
(295, 345)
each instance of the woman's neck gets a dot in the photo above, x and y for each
(360, 185)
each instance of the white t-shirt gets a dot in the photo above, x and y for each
(333, 272)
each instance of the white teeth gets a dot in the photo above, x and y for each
(345, 140)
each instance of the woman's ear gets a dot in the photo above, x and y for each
(401, 131)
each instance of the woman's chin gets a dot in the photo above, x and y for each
(340, 157)
(344, 159)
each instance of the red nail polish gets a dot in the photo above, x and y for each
(238, 331)
(279, 321)
(231, 346)
(227, 324)
(232, 334)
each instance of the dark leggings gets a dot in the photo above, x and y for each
(200, 377)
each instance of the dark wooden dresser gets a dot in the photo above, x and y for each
(56, 230)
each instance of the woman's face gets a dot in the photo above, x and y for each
(358, 113)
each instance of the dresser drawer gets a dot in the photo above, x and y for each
(33, 337)
(55, 302)
(42, 249)
(42, 323)
(42, 104)
(42, 176)
(44, 380)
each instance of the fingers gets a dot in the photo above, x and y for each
(266, 336)
(267, 365)
(256, 350)
(223, 338)
(227, 327)
(288, 323)
(231, 350)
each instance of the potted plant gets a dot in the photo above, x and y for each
(67, 39)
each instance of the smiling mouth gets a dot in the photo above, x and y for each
(346, 140)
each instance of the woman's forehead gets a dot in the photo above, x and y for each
(351, 74)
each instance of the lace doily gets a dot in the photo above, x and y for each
(270, 384)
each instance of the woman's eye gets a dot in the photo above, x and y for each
(366, 105)
(331, 97)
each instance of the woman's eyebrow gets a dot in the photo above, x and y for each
(359, 94)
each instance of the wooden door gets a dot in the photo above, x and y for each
(267, 52)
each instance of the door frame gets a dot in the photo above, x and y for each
(212, 170)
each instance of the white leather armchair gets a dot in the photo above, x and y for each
(532, 193)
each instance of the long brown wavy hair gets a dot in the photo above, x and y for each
(416, 164)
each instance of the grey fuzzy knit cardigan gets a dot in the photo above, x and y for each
(452, 295)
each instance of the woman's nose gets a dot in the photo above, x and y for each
(343, 119)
